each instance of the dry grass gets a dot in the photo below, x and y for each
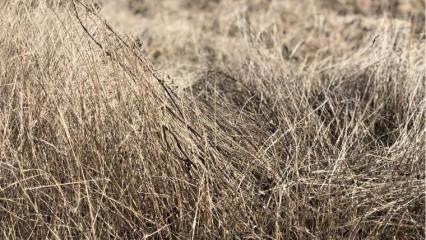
(272, 124)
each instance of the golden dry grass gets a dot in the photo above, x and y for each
(266, 119)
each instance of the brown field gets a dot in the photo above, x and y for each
(220, 119)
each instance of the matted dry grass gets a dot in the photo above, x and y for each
(272, 124)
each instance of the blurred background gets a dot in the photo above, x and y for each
(202, 33)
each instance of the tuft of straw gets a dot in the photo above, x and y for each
(300, 140)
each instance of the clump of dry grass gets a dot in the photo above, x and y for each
(258, 144)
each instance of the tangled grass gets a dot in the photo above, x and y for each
(315, 139)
